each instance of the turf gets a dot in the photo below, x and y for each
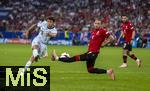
(74, 76)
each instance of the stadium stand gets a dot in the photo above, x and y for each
(75, 15)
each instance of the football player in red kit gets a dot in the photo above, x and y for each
(128, 33)
(99, 37)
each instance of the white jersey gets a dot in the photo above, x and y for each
(43, 37)
(42, 23)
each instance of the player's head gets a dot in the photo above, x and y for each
(42, 17)
(124, 18)
(97, 23)
(50, 21)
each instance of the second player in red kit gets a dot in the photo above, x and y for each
(99, 37)
(128, 30)
(128, 33)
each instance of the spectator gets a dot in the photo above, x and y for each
(76, 14)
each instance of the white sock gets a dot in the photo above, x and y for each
(107, 71)
(57, 58)
(27, 66)
(35, 52)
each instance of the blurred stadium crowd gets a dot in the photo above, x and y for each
(76, 15)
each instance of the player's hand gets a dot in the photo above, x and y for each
(105, 42)
(131, 42)
(117, 43)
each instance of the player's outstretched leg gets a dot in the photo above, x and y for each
(90, 67)
(90, 60)
(109, 72)
(27, 65)
(138, 61)
(55, 57)
(34, 57)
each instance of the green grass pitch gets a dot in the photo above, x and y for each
(74, 76)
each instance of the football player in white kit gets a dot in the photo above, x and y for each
(39, 47)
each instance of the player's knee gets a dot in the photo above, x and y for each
(90, 70)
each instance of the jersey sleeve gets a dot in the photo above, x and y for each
(40, 23)
(54, 31)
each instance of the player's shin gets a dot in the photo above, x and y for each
(97, 70)
(72, 59)
(124, 65)
(26, 66)
(67, 59)
(138, 61)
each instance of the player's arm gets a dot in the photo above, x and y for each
(31, 28)
(53, 33)
(133, 35)
(108, 40)
(121, 35)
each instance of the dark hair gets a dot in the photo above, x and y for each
(50, 18)
(97, 18)
(125, 15)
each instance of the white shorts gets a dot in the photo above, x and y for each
(42, 47)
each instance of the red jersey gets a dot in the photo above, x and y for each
(97, 38)
(127, 29)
